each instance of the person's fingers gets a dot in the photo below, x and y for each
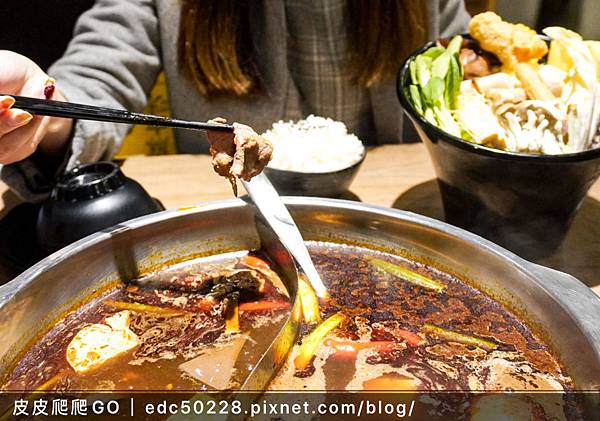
(12, 119)
(19, 75)
(31, 145)
(20, 143)
(6, 102)
(22, 152)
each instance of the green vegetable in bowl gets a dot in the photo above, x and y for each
(435, 78)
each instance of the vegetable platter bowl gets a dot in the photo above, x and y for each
(522, 201)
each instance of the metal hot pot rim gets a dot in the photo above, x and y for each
(557, 306)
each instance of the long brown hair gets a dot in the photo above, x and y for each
(216, 50)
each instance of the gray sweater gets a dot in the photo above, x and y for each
(118, 48)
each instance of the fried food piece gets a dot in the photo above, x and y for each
(241, 154)
(512, 44)
(532, 83)
(95, 344)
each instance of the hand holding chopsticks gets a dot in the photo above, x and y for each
(62, 109)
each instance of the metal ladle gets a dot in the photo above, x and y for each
(269, 204)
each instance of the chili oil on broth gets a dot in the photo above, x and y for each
(408, 337)
(381, 344)
(181, 327)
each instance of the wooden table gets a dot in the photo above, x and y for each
(400, 176)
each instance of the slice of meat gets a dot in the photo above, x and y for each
(241, 154)
(252, 152)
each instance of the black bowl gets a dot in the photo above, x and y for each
(524, 202)
(323, 184)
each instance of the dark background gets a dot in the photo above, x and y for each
(39, 29)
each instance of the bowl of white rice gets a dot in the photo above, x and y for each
(313, 157)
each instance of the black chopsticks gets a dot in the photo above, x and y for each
(89, 112)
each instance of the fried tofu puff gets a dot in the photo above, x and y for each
(511, 43)
(95, 344)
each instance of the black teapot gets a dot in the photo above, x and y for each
(87, 199)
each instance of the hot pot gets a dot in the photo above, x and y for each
(557, 306)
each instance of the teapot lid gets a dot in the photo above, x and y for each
(88, 182)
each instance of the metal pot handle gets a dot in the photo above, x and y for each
(576, 298)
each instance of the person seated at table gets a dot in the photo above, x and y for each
(249, 61)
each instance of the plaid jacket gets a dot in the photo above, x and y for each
(119, 47)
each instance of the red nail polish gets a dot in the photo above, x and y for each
(23, 117)
(49, 91)
(7, 102)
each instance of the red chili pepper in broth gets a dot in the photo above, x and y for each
(410, 337)
(349, 349)
(263, 305)
(392, 332)
(255, 262)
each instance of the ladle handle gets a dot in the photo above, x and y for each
(269, 204)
